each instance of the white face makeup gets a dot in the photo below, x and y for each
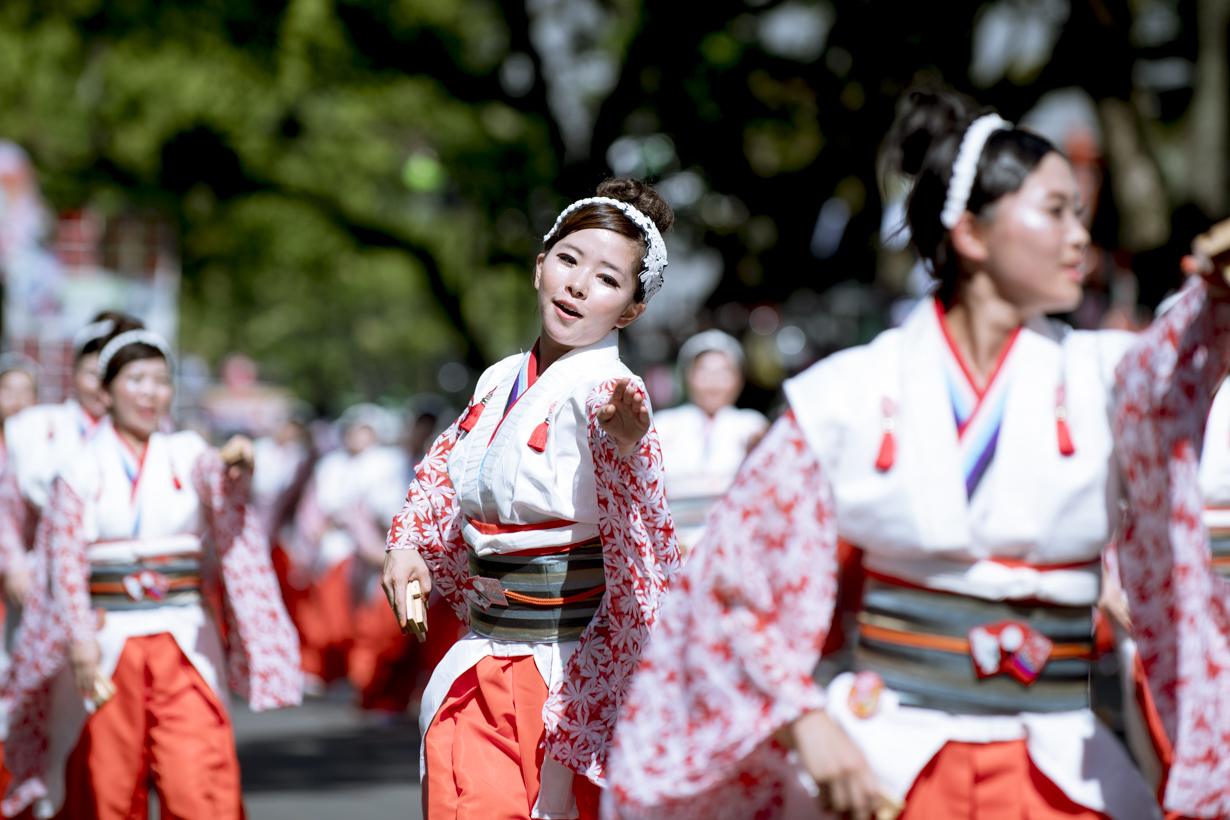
(586, 287)
(139, 396)
(87, 387)
(1035, 241)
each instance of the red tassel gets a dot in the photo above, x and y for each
(471, 419)
(888, 452)
(538, 439)
(175, 481)
(1066, 448)
(476, 410)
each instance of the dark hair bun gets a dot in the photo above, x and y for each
(643, 197)
(927, 118)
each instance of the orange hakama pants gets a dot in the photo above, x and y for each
(483, 750)
(165, 727)
(988, 781)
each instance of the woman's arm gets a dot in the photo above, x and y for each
(730, 659)
(68, 573)
(1180, 609)
(263, 647)
(425, 542)
(14, 527)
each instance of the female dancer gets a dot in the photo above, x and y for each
(705, 440)
(540, 516)
(125, 600)
(981, 537)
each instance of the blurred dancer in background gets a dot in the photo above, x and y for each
(18, 390)
(705, 440)
(971, 453)
(40, 441)
(540, 516)
(339, 536)
(149, 538)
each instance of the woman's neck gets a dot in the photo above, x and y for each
(981, 321)
(549, 352)
(133, 440)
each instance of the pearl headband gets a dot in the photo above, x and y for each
(965, 168)
(92, 333)
(654, 261)
(131, 337)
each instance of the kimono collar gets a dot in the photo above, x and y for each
(605, 349)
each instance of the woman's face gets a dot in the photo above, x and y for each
(88, 387)
(17, 392)
(587, 285)
(139, 396)
(1035, 241)
(714, 381)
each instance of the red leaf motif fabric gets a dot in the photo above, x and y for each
(1180, 608)
(262, 646)
(730, 659)
(640, 557)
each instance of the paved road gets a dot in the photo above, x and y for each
(326, 760)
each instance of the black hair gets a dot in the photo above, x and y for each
(923, 144)
(639, 195)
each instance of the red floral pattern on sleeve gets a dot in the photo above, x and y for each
(17, 522)
(1180, 608)
(730, 659)
(52, 616)
(430, 522)
(640, 557)
(262, 645)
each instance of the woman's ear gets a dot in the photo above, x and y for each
(538, 270)
(105, 397)
(969, 240)
(630, 315)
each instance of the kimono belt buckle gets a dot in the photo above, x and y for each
(483, 592)
(1009, 647)
(147, 583)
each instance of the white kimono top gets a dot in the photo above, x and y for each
(41, 440)
(730, 661)
(473, 490)
(701, 455)
(345, 493)
(111, 505)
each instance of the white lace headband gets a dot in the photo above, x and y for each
(131, 337)
(654, 261)
(965, 168)
(92, 333)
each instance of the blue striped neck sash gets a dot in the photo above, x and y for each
(527, 375)
(977, 411)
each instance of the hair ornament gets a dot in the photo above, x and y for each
(654, 261)
(131, 337)
(965, 168)
(12, 360)
(92, 333)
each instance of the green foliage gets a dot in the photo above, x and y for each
(321, 196)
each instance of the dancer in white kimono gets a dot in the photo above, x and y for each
(540, 517)
(120, 677)
(971, 453)
(41, 440)
(705, 440)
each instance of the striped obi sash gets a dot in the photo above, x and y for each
(1218, 521)
(533, 597)
(145, 573)
(966, 655)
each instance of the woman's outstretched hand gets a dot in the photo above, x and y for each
(625, 417)
(400, 568)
